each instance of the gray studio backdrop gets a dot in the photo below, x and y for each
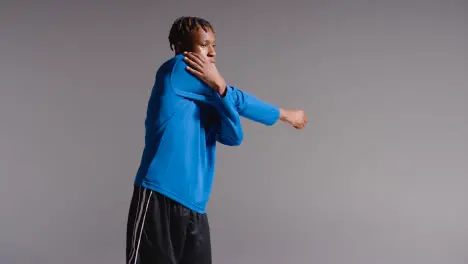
(378, 177)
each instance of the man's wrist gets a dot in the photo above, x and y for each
(221, 88)
(283, 115)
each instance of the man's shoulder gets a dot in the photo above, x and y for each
(169, 73)
(174, 68)
(169, 64)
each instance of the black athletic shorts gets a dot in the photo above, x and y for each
(162, 231)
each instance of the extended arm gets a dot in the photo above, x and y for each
(252, 108)
(247, 105)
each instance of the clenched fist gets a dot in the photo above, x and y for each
(295, 117)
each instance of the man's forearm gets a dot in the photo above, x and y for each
(220, 88)
(252, 108)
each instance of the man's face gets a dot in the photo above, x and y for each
(204, 43)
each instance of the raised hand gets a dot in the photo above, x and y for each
(205, 70)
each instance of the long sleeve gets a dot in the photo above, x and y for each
(230, 134)
(188, 86)
(252, 108)
(234, 104)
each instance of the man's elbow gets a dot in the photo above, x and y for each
(236, 141)
(233, 141)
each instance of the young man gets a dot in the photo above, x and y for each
(191, 108)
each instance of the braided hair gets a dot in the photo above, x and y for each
(182, 28)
